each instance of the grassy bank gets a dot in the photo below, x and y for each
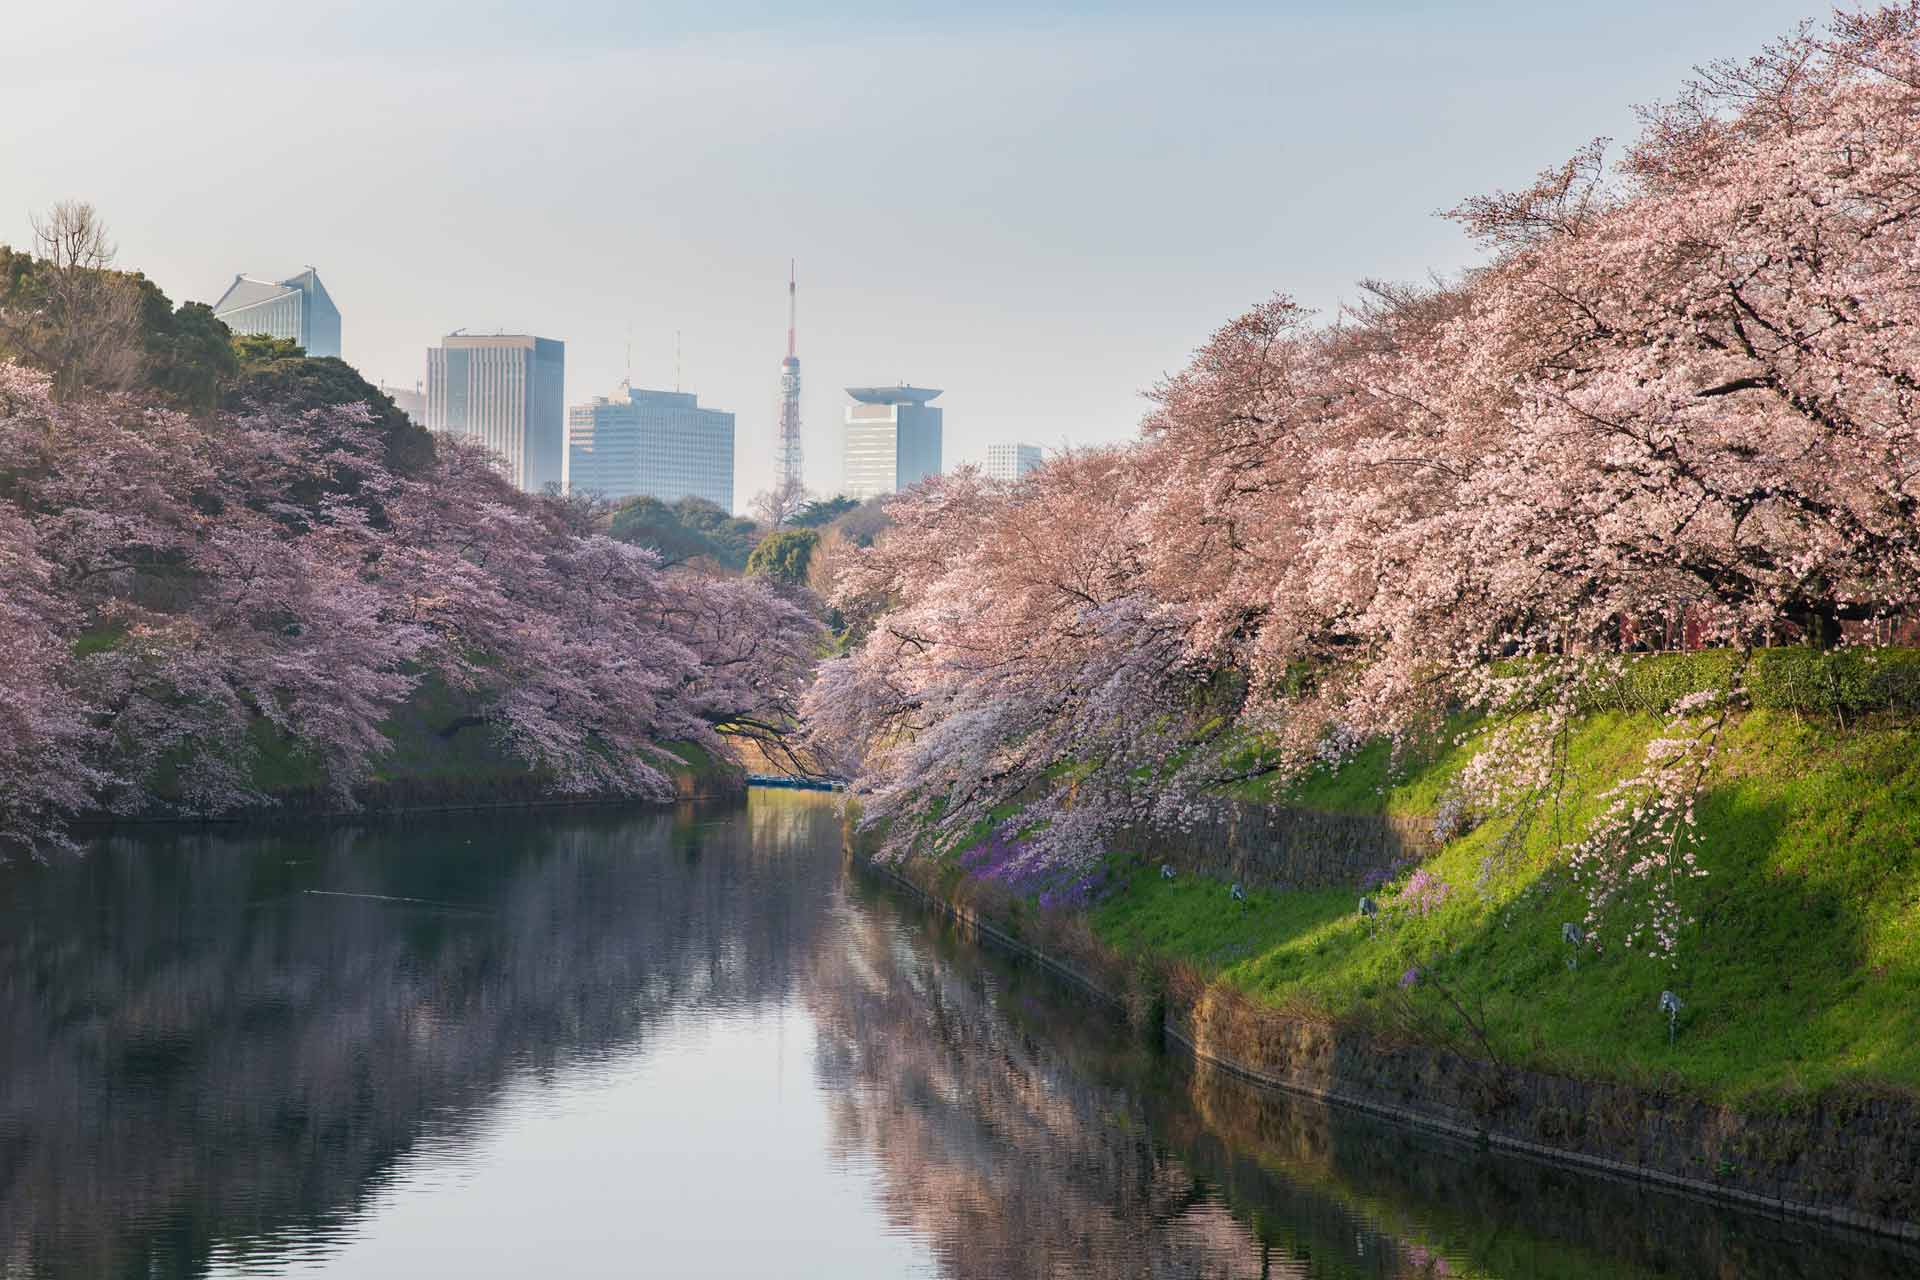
(1802, 975)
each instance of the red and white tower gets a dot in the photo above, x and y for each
(786, 445)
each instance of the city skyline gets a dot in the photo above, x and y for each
(1074, 241)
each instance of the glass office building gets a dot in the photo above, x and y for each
(653, 444)
(892, 439)
(505, 390)
(298, 309)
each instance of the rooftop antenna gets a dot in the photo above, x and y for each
(626, 383)
(676, 361)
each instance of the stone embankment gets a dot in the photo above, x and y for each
(1271, 847)
(1852, 1160)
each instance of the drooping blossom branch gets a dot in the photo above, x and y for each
(1676, 407)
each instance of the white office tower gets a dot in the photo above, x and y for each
(1009, 462)
(654, 444)
(892, 441)
(505, 390)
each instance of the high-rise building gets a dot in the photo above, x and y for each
(1011, 461)
(893, 439)
(655, 444)
(505, 390)
(411, 401)
(297, 308)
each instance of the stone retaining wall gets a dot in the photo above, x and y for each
(1853, 1159)
(1269, 847)
(1849, 1159)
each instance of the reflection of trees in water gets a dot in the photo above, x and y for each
(1279, 1157)
(992, 1149)
(195, 1049)
(1002, 1146)
(196, 1046)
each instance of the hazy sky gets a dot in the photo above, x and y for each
(1041, 208)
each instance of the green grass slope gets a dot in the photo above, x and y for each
(1802, 975)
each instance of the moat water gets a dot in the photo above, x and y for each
(588, 1042)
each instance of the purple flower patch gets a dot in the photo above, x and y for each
(1424, 892)
(1005, 859)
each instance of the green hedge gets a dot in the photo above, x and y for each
(1809, 681)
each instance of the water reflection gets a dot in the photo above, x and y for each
(1027, 1135)
(203, 1036)
(682, 1044)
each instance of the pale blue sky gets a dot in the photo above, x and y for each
(1039, 207)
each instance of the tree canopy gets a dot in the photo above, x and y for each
(817, 513)
(1676, 406)
(177, 589)
(686, 531)
(277, 372)
(784, 556)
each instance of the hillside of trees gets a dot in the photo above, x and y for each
(223, 560)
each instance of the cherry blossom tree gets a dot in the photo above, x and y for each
(1678, 400)
(183, 594)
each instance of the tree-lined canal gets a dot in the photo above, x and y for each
(693, 1044)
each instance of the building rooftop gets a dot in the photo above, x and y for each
(247, 291)
(461, 338)
(902, 394)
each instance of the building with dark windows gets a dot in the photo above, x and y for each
(892, 440)
(298, 309)
(653, 444)
(1009, 462)
(504, 390)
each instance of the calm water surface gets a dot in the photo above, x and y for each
(598, 1043)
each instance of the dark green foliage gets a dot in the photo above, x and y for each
(251, 349)
(185, 352)
(190, 355)
(735, 536)
(275, 372)
(687, 530)
(784, 556)
(817, 513)
(190, 359)
(17, 275)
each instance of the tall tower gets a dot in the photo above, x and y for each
(786, 445)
